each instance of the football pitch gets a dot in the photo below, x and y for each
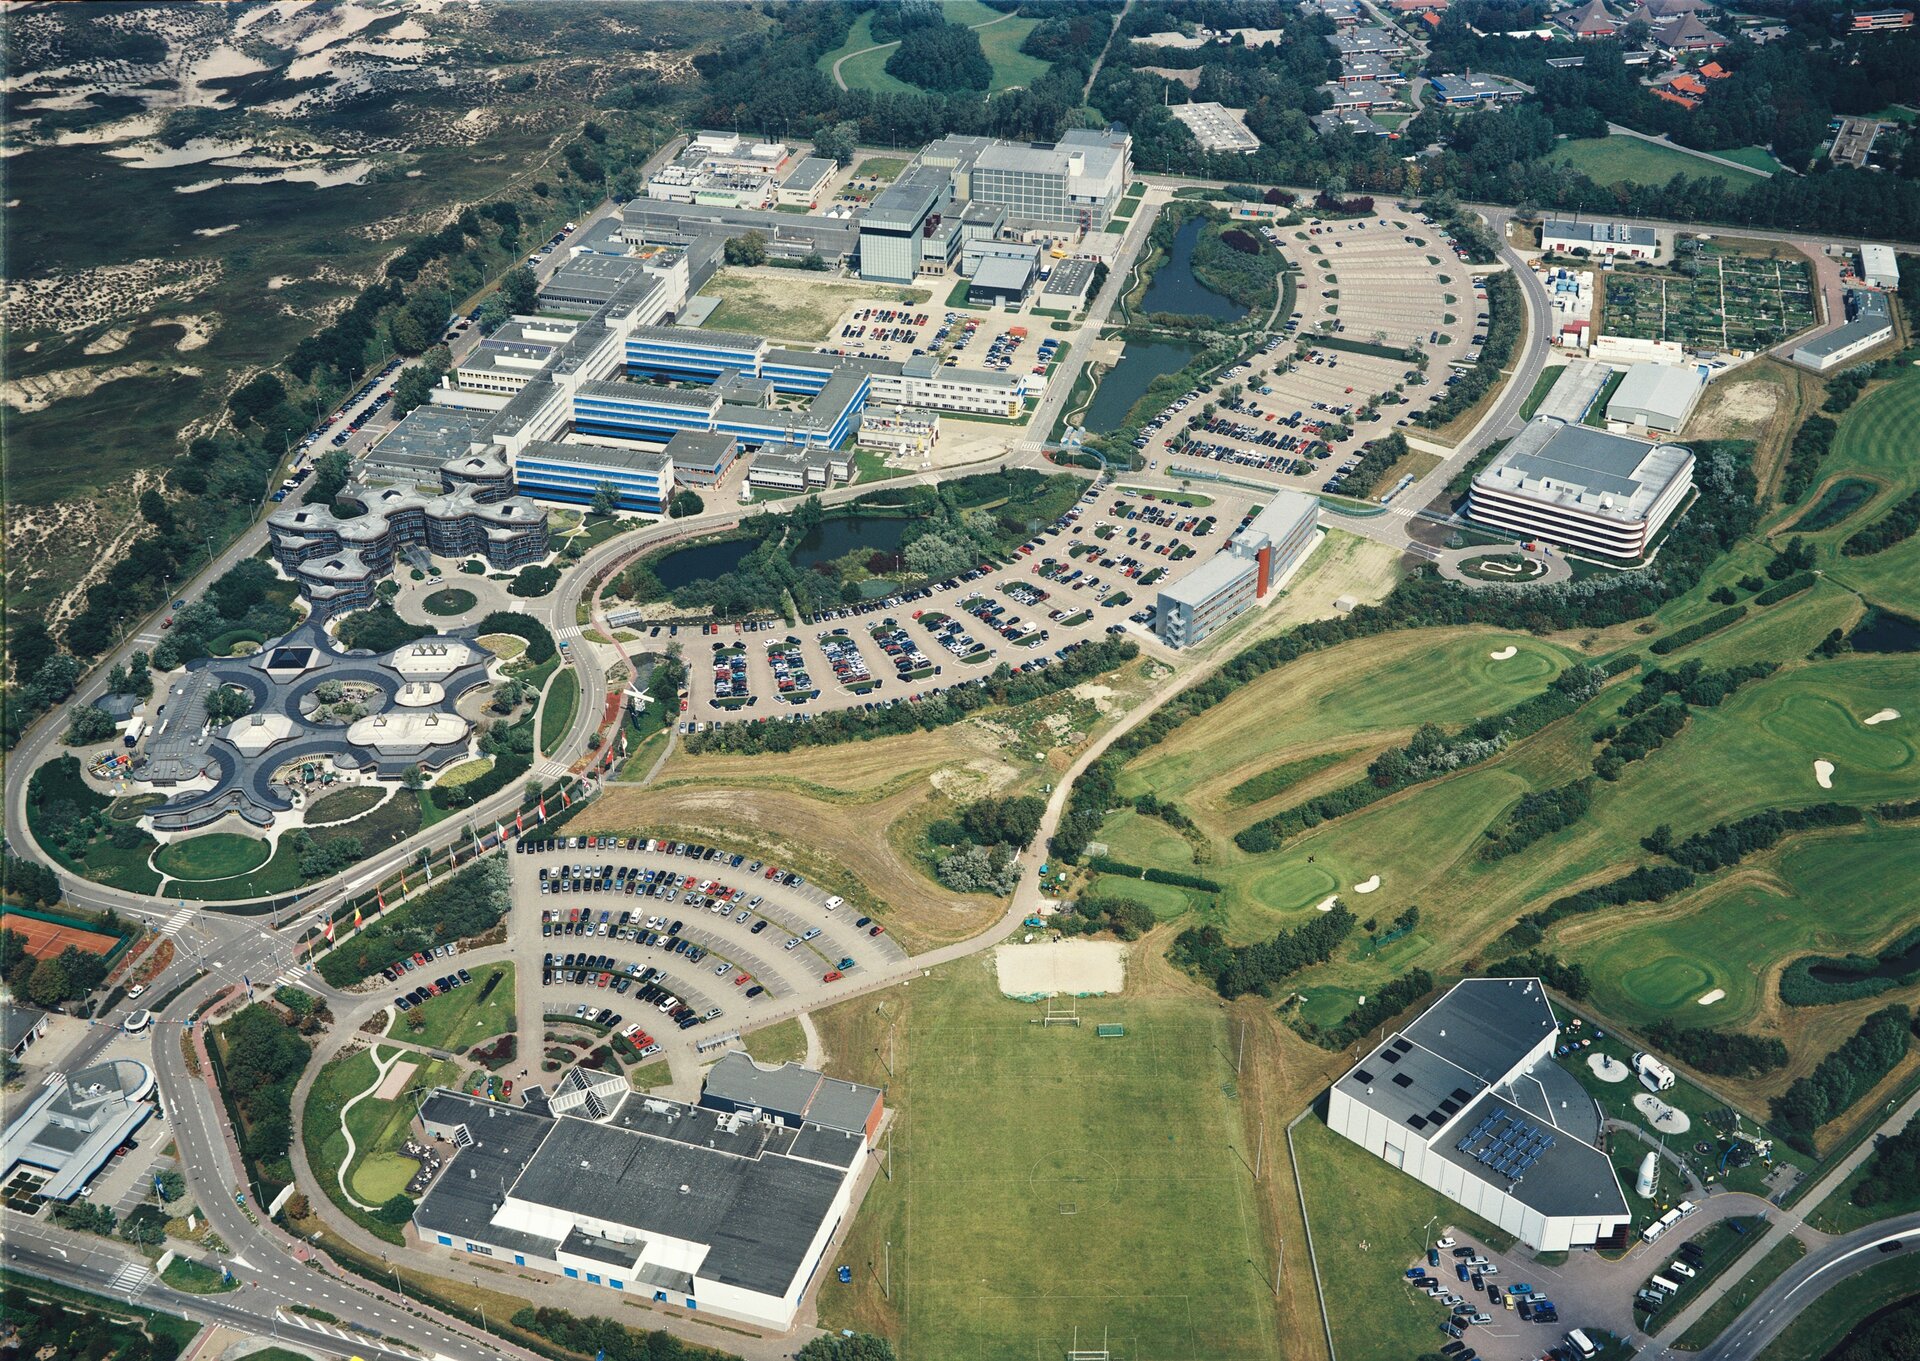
(1052, 1180)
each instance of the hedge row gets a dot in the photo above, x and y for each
(1896, 526)
(540, 645)
(1122, 869)
(1693, 633)
(1780, 590)
(1844, 1076)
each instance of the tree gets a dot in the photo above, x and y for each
(398, 1209)
(416, 383)
(520, 291)
(227, 704)
(944, 58)
(50, 985)
(836, 143)
(256, 397)
(685, 502)
(413, 778)
(155, 510)
(606, 499)
(330, 474)
(749, 248)
(170, 1184)
(88, 723)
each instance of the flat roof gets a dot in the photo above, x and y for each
(615, 390)
(1070, 278)
(1583, 469)
(1599, 233)
(821, 1100)
(1869, 315)
(1667, 390)
(1486, 1025)
(597, 456)
(1568, 1178)
(1217, 127)
(1003, 271)
(808, 174)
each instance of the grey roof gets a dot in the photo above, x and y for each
(462, 1202)
(698, 335)
(791, 1089)
(1211, 576)
(1349, 120)
(591, 278)
(756, 1210)
(1869, 317)
(1586, 469)
(1599, 233)
(1003, 272)
(1412, 1085)
(597, 456)
(70, 1128)
(1070, 278)
(903, 205)
(601, 1249)
(429, 435)
(1486, 1025)
(705, 398)
(16, 1023)
(1663, 391)
(1570, 1178)
(808, 174)
(698, 449)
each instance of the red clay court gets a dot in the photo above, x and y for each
(45, 939)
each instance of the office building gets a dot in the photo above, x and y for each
(701, 458)
(793, 467)
(896, 223)
(1349, 122)
(65, 1132)
(1358, 96)
(803, 185)
(574, 473)
(1004, 277)
(1076, 183)
(898, 430)
(1598, 238)
(1657, 397)
(1879, 20)
(1253, 561)
(1584, 489)
(1468, 1100)
(1869, 323)
(1473, 87)
(727, 1206)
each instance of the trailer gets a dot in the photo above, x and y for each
(132, 730)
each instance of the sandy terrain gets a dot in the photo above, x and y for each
(74, 302)
(1884, 716)
(1707, 999)
(198, 330)
(395, 1081)
(1368, 885)
(1069, 967)
(1607, 1069)
(1823, 774)
(116, 339)
(44, 389)
(1504, 653)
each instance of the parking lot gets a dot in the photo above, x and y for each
(1093, 572)
(962, 339)
(1490, 1305)
(676, 938)
(1373, 296)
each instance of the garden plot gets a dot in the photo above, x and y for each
(1736, 302)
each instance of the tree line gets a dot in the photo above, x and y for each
(1844, 1076)
(1235, 970)
(1723, 1053)
(467, 903)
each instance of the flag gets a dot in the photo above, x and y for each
(543, 808)
(499, 833)
(623, 742)
(566, 799)
(519, 824)
(329, 929)
(356, 916)
(477, 847)
(404, 890)
(381, 894)
(426, 858)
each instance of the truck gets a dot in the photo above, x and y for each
(1654, 1075)
(132, 730)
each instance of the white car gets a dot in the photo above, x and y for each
(1444, 1243)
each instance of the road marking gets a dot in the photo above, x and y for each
(54, 1078)
(177, 922)
(131, 1278)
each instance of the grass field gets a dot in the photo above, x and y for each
(1819, 1325)
(1755, 157)
(798, 308)
(1370, 1224)
(556, 712)
(343, 804)
(196, 1279)
(1727, 1308)
(379, 1127)
(449, 600)
(1000, 39)
(1105, 1193)
(1619, 160)
(781, 1042)
(1838, 1214)
(1876, 440)
(213, 855)
(459, 1019)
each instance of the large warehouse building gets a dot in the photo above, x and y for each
(1227, 584)
(726, 1206)
(1468, 1100)
(1581, 488)
(1657, 397)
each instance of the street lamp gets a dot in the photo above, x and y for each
(1425, 1239)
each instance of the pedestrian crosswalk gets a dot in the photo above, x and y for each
(177, 922)
(550, 769)
(131, 1278)
(53, 1078)
(293, 975)
(567, 631)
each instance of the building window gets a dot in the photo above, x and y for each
(592, 1279)
(518, 1260)
(691, 1304)
(617, 1285)
(445, 1241)
(480, 1248)
(571, 1272)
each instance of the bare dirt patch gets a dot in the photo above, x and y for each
(1073, 968)
(395, 1081)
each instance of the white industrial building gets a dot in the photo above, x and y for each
(1217, 128)
(1584, 489)
(1869, 324)
(1879, 267)
(1468, 1100)
(68, 1129)
(1658, 397)
(726, 1206)
(1598, 238)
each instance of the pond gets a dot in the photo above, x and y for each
(1897, 966)
(1125, 383)
(832, 538)
(1884, 631)
(1176, 289)
(1839, 501)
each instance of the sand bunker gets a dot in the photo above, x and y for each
(1660, 1115)
(1707, 999)
(1071, 967)
(1508, 651)
(1884, 716)
(395, 1081)
(1607, 1068)
(1823, 774)
(1368, 886)
(1326, 903)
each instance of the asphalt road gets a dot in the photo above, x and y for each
(1821, 1270)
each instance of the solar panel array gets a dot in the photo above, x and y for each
(1506, 1144)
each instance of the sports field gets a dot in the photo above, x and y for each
(1619, 160)
(792, 309)
(46, 939)
(1046, 1179)
(1877, 438)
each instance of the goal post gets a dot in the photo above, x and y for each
(1078, 1353)
(1059, 1013)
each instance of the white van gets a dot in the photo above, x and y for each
(1662, 1283)
(1582, 1344)
(1682, 1268)
(834, 903)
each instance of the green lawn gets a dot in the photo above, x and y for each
(1618, 160)
(1758, 157)
(1819, 1325)
(1370, 1223)
(460, 1019)
(1104, 1192)
(1877, 438)
(1727, 1308)
(196, 1279)
(1838, 1214)
(279, 875)
(781, 1042)
(1000, 39)
(1541, 387)
(879, 167)
(379, 1128)
(448, 601)
(556, 714)
(212, 855)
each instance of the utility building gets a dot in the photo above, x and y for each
(1468, 1100)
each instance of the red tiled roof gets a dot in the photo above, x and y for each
(1687, 85)
(1713, 70)
(1681, 100)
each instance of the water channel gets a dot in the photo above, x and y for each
(833, 538)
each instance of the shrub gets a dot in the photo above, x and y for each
(1723, 1053)
(1693, 633)
(1845, 1075)
(1896, 526)
(540, 646)
(1239, 969)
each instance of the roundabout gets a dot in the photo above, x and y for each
(1502, 565)
(449, 602)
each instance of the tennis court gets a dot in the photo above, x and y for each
(48, 938)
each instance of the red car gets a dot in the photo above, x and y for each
(508, 1089)
(876, 929)
(831, 976)
(741, 979)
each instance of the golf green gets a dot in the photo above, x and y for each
(1665, 983)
